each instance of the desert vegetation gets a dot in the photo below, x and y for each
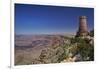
(56, 49)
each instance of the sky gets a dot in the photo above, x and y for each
(43, 19)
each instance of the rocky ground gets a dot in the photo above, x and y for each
(52, 49)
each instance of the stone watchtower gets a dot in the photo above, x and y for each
(82, 31)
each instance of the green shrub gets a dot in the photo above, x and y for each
(92, 33)
(86, 50)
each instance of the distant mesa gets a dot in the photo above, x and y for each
(83, 30)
